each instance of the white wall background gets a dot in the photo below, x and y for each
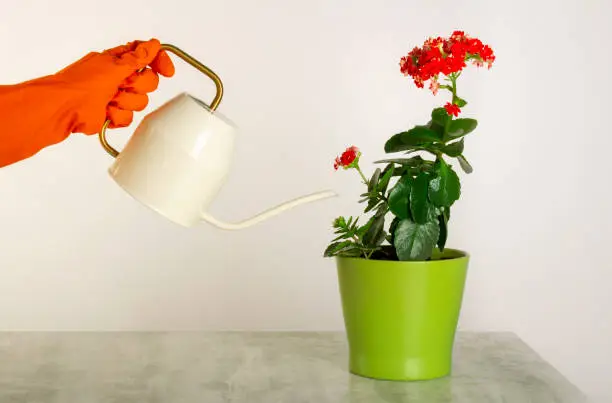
(304, 80)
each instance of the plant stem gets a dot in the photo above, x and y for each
(453, 79)
(362, 175)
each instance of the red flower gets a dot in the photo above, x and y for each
(444, 56)
(452, 109)
(434, 85)
(349, 158)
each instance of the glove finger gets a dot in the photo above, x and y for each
(162, 64)
(119, 117)
(130, 101)
(143, 54)
(141, 83)
(121, 49)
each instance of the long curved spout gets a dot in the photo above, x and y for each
(268, 213)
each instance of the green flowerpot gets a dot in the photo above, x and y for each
(401, 317)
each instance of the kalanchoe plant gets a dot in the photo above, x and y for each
(418, 192)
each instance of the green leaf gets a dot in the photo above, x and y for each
(382, 209)
(381, 238)
(418, 135)
(378, 223)
(454, 149)
(433, 148)
(460, 102)
(402, 171)
(339, 222)
(374, 231)
(465, 165)
(346, 228)
(399, 197)
(363, 229)
(415, 137)
(439, 122)
(436, 128)
(461, 127)
(341, 236)
(392, 228)
(350, 251)
(334, 247)
(349, 221)
(440, 117)
(395, 144)
(419, 202)
(372, 204)
(415, 241)
(374, 180)
(443, 224)
(412, 162)
(444, 188)
(384, 181)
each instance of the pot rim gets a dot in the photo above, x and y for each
(463, 255)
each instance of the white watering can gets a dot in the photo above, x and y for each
(179, 156)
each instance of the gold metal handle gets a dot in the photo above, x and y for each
(192, 61)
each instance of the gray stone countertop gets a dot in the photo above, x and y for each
(266, 367)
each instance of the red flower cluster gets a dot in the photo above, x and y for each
(444, 56)
(347, 158)
(452, 109)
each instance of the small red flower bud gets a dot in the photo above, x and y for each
(452, 109)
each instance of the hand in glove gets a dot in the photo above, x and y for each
(80, 98)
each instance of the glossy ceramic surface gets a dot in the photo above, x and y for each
(179, 158)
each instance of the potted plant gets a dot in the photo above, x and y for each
(401, 287)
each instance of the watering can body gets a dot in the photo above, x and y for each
(179, 158)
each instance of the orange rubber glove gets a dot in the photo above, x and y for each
(80, 98)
